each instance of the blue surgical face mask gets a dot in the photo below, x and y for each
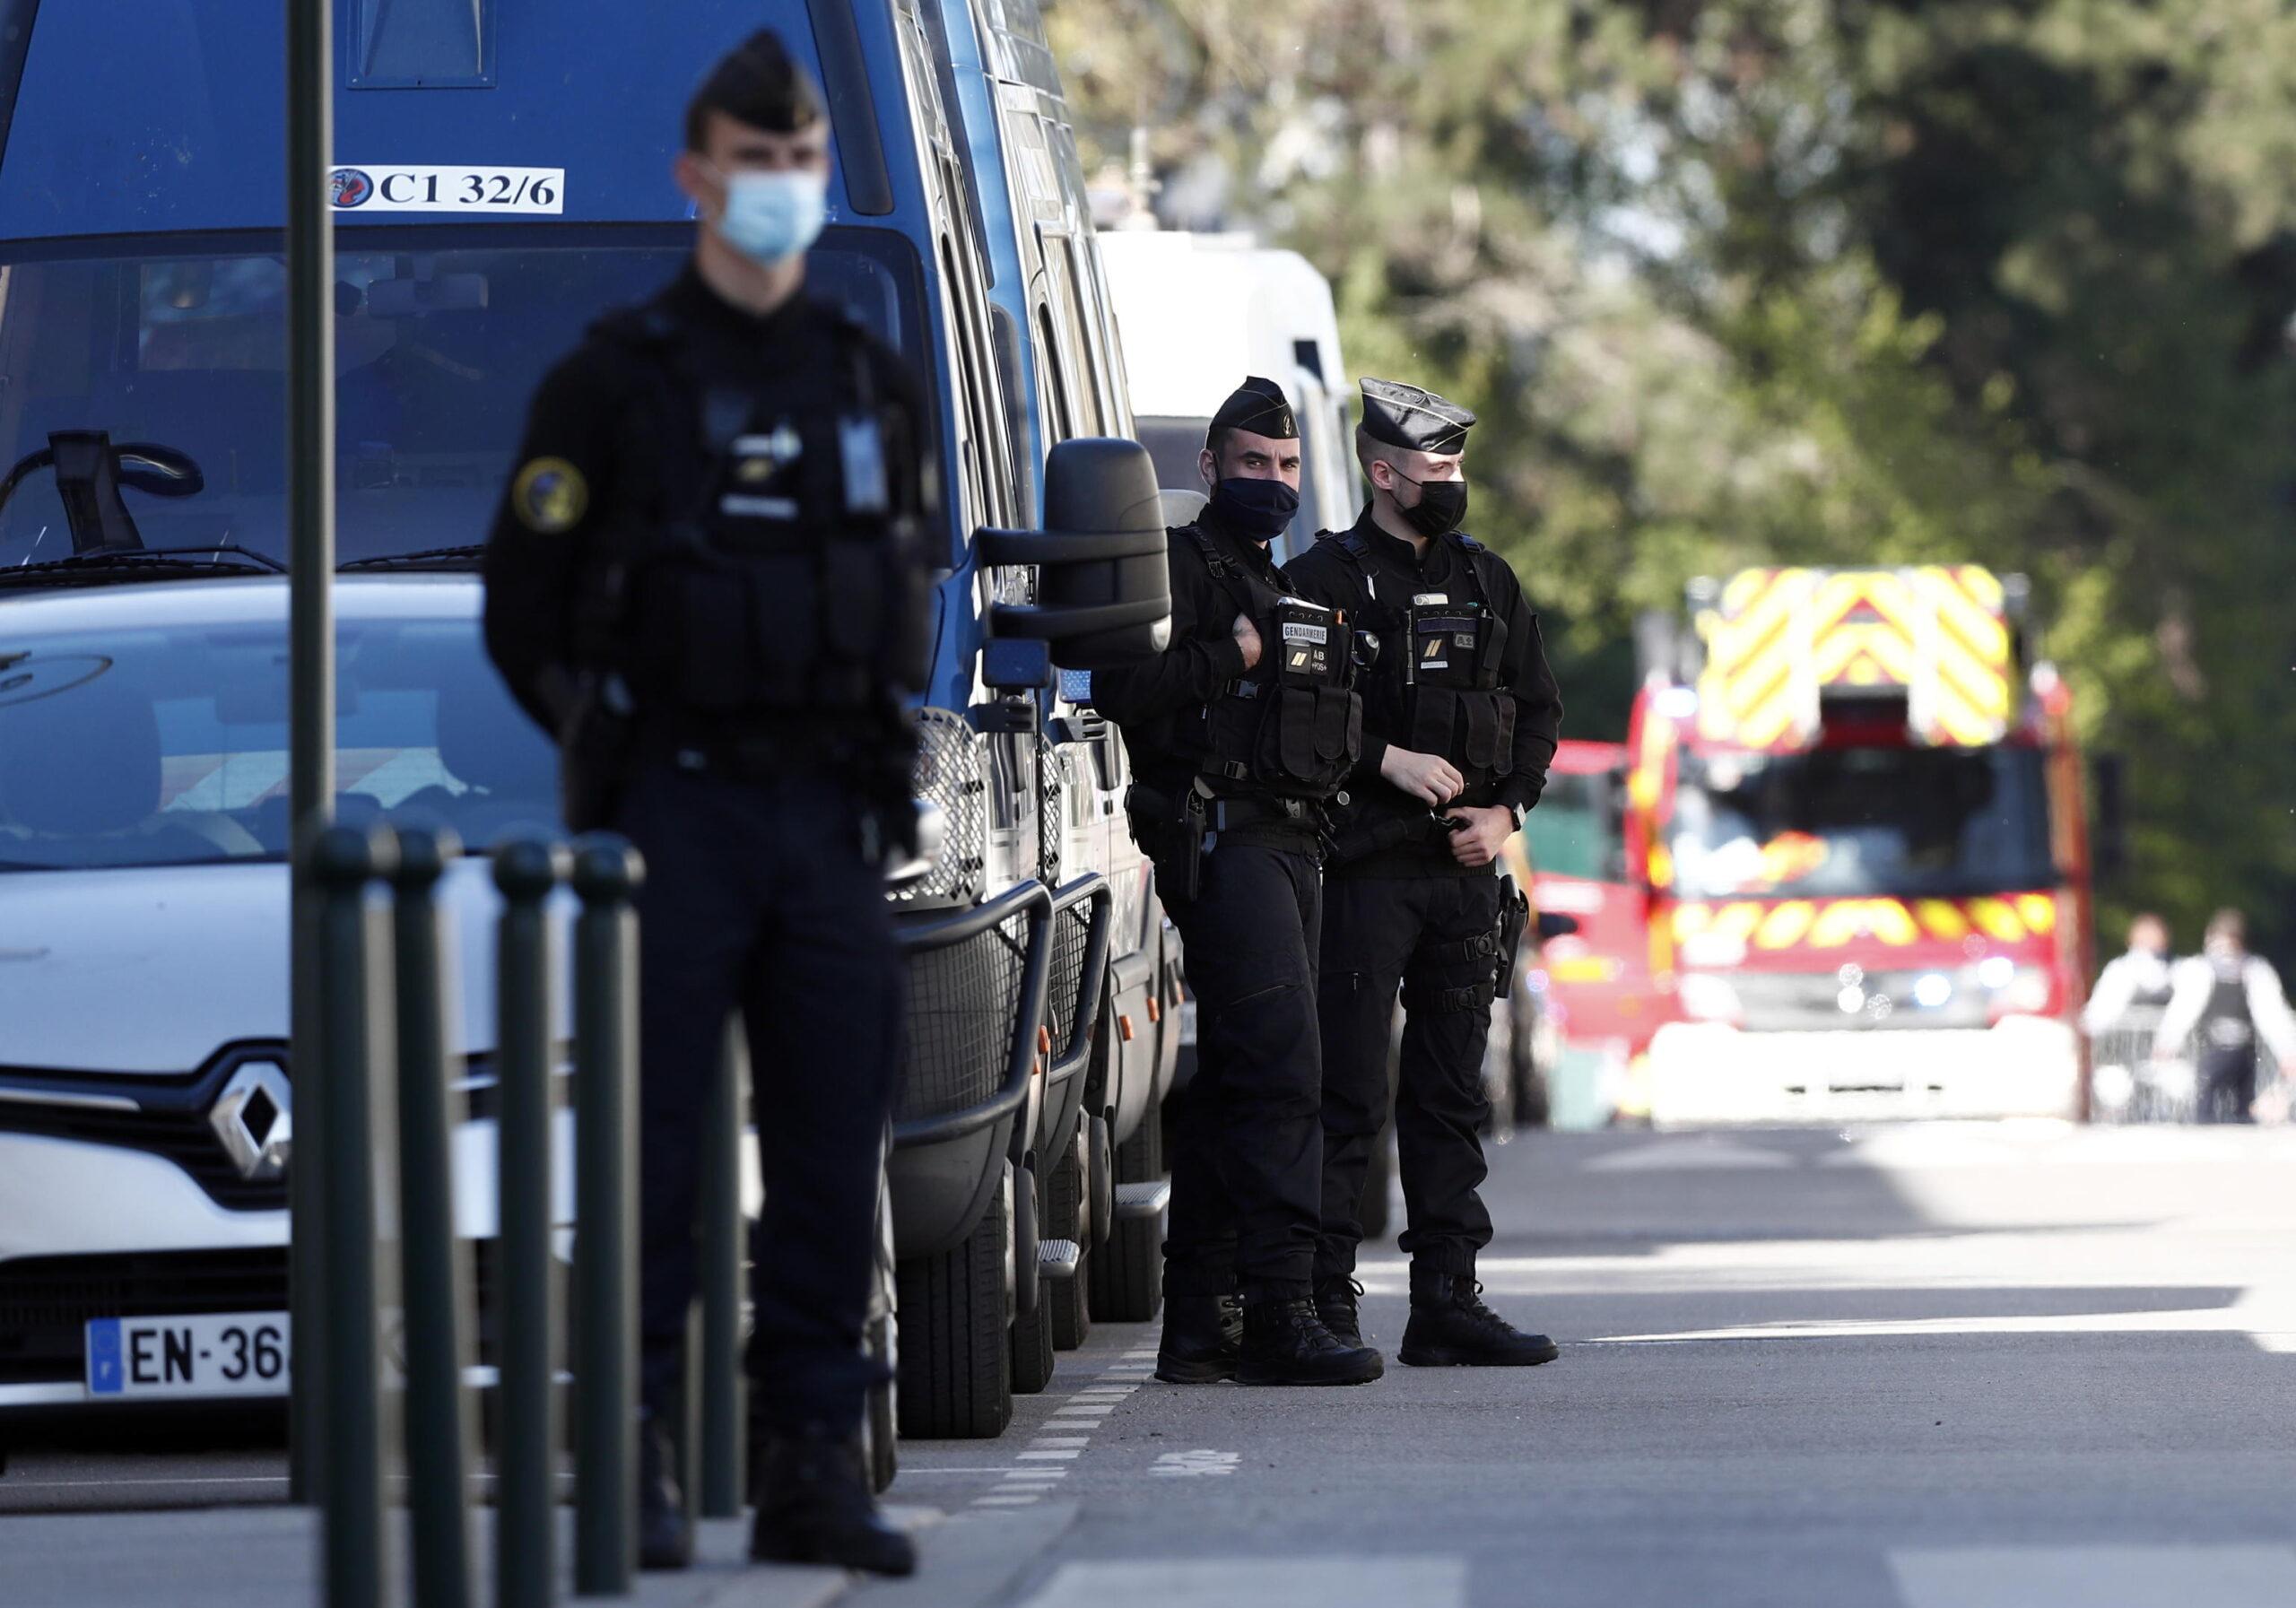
(772, 217)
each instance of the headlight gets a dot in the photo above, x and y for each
(2028, 991)
(1706, 997)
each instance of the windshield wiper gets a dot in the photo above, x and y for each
(467, 557)
(129, 563)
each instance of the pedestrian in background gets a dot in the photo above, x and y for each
(659, 595)
(2137, 979)
(2225, 1001)
(1460, 721)
(1240, 733)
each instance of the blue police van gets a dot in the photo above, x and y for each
(502, 177)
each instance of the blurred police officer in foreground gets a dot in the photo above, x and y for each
(708, 578)
(1460, 720)
(1238, 734)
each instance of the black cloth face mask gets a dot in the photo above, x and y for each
(1258, 509)
(1441, 507)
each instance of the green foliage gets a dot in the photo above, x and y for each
(1824, 280)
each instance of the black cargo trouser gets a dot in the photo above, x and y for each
(2228, 1083)
(1247, 1156)
(757, 897)
(1380, 931)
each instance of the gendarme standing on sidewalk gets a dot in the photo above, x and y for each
(1461, 715)
(708, 579)
(1240, 733)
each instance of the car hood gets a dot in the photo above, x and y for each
(153, 970)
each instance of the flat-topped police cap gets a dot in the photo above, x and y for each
(1260, 407)
(1405, 415)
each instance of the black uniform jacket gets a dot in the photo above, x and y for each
(587, 434)
(1375, 599)
(1204, 655)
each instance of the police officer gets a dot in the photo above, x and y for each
(1459, 726)
(2225, 1000)
(1238, 734)
(707, 578)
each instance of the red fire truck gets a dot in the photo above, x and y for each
(1858, 822)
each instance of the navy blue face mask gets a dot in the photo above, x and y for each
(1258, 509)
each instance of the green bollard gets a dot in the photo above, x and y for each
(607, 872)
(436, 1272)
(354, 1002)
(526, 870)
(724, 1250)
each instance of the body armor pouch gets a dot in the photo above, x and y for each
(1453, 704)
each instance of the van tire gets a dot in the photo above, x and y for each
(956, 1361)
(1127, 1283)
(1032, 1340)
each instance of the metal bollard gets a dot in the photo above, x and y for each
(724, 1231)
(526, 870)
(353, 1023)
(607, 872)
(435, 1269)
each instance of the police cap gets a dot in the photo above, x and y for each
(1260, 407)
(1405, 415)
(757, 82)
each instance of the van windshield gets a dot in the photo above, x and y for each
(440, 337)
(168, 745)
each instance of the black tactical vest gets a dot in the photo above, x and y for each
(2226, 1023)
(1442, 663)
(769, 553)
(1293, 723)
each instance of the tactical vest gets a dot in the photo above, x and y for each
(1293, 723)
(1443, 675)
(764, 558)
(2225, 1022)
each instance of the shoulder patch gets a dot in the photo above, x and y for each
(550, 495)
(1467, 543)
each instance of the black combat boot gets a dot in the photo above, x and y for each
(1285, 1343)
(813, 1506)
(1336, 1302)
(1450, 1327)
(665, 1533)
(1202, 1335)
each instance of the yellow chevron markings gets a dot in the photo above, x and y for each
(1997, 919)
(1943, 919)
(1785, 925)
(2040, 911)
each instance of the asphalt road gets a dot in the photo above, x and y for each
(1946, 1367)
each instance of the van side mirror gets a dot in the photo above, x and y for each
(1103, 594)
(2109, 833)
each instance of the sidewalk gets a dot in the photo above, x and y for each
(231, 1557)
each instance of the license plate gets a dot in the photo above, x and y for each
(218, 1354)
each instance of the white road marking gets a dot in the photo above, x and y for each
(1311, 1582)
(1190, 1464)
(1050, 1456)
(1700, 1153)
(2100, 1577)
(1005, 1501)
(1042, 1441)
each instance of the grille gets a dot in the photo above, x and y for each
(961, 1001)
(172, 1121)
(1072, 935)
(951, 772)
(1055, 769)
(1808, 1001)
(46, 1300)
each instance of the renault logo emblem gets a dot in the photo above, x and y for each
(254, 1117)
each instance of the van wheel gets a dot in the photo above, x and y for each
(956, 1363)
(1126, 1269)
(878, 1431)
(1033, 1341)
(1064, 1219)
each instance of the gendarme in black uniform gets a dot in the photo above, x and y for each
(1461, 675)
(709, 577)
(1233, 767)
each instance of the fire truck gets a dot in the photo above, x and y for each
(1854, 802)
